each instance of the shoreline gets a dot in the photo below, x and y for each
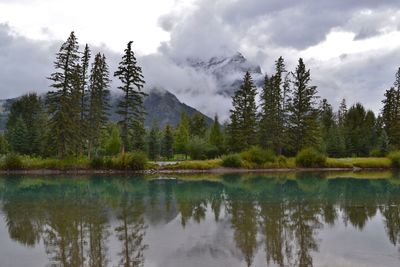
(181, 171)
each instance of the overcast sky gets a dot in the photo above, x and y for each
(351, 46)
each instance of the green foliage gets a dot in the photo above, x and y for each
(137, 160)
(274, 109)
(98, 105)
(63, 104)
(197, 148)
(258, 155)
(198, 126)
(113, 143)
(154, 142)
(375, 153)
(395, 158)
(26, 125)
(4, 147)
(310, 158)
(167, 148)
(303, 119)
(391, 112)
(216, 138)
(97, 163)
(182, 135)
(243, 126)
(130, 106)
(232, 161)
(13, 162)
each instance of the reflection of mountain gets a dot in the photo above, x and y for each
(102, 221)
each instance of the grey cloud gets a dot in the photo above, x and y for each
(25, 64)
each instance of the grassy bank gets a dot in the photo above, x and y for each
(138, 161)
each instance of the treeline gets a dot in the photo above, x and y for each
(291, 116)
(73, 119)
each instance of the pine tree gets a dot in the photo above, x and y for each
(19, 137)
(243, 116)
(272, 116)
(85, 60)
(30, 109)
(113, 143)
(216, 138)
(168, 142)
(130, 107)
(60, 102)
(153, 142)
(4, 147)
(391, 112)
(181, 139)
(198, 125)
(99, 101)
(303, 124)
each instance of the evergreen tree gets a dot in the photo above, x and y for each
(19, 137)
(3, 145)
(113, 143)
(391, 112)
(383, 143)
(85, 80)
(168, 142)
(30, 109)
(243, 116)
(60, 103)
(153, 142)
(198, 125)
(359, 130)
(272, 116)
(99, 101)
(303, 125)
(181, 140)
(216, 138)
(130, 107)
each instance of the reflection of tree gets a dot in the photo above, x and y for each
(391, 213)
(275, 224)
(244, 223)
(131, 231)
(304, 222)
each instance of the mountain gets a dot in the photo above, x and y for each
(228, 71)
(161, 106)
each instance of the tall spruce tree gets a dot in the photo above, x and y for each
(198, 125)
(216, 138)
(154, 142)
(391, 112)
(130, 107)
(99, 101)
(60, 102)
(181, 138)
(243, 116)
(167, 148)
(303, 119)
(272, 116)
(31, 110)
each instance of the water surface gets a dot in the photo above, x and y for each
(304, 219)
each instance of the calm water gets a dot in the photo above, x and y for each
(231, 220)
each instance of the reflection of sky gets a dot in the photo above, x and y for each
(211, 243)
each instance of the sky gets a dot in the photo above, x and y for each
(351, 46)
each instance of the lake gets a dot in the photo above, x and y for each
(275, 219)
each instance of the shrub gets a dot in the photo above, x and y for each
(232, 161)
(282, 161)
(137, 160)
(197, 148)
(13, 162)
(258, 156)
(375, 153)
(395, 158)
(309, 157)
(97, 163)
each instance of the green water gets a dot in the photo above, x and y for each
(231, 220)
